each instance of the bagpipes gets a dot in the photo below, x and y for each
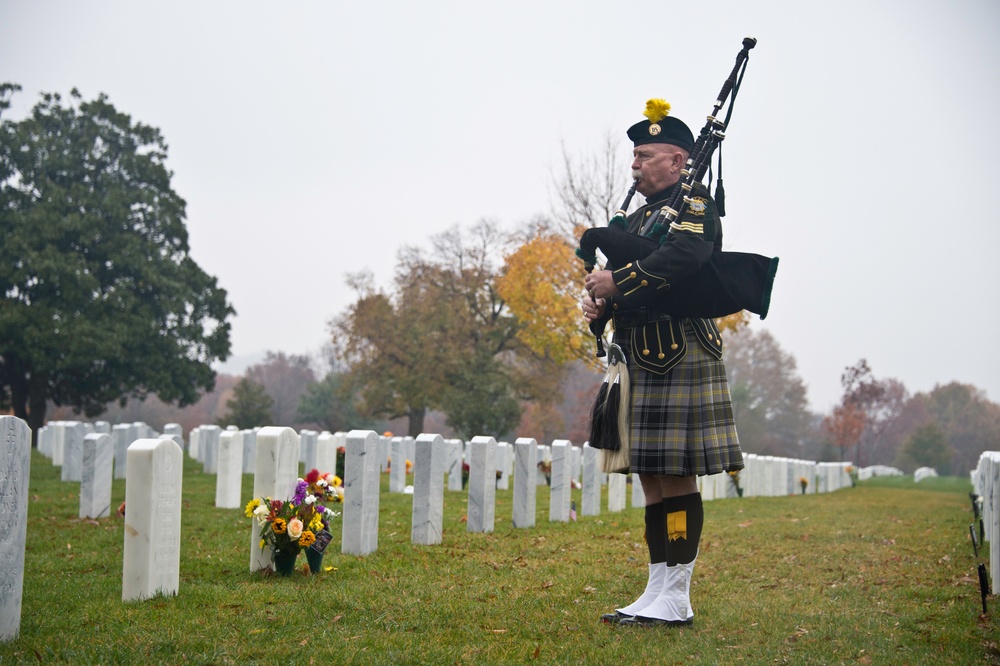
(729, 281)
(726, 284)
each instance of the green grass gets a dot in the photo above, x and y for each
(879, 574)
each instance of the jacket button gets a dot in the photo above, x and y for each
(673, 346)
(645, 352)
(660, 356)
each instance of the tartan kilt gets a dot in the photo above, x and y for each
(682, 422)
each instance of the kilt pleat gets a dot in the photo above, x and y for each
(682, 421)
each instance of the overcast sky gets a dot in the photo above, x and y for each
(311, 140)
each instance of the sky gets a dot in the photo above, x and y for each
(312, 140)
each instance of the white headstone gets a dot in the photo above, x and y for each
(308, 439)
(616, 492)
(361, 493)
(456, 451)
(503, 465)
(209, 442)
(72, 467)
(15, 453)
(95, 483)
(525, 486)
(275, 476)
(560, 488)
(152, 547)
(591, 500)
(326, 453)
(482, 484)
(397, 466)
(428, 490)
(229, 481)
(249, 450)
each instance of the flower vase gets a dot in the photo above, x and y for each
(315, 560)
(284, 563)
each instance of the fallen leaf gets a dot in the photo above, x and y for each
(547, 585)
(538, 650)
(746, 524)
(336, 618)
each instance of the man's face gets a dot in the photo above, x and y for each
(656, 166)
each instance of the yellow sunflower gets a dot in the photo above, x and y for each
(279, 526)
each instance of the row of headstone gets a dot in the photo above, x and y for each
(986, 484)
(922, 473)
(873, 471)
(775, 476)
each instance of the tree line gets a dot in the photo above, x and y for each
(479, 335)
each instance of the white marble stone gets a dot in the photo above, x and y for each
(152, 549)
(361, 494)
(309, 439)
(456, 452)
(590, 504)
(72, 467)
(119, 448)
(482, 484)
(326, 453)
(276, 472)
(384, 452)
(95, 480)
(638, 496)
(102, 427)
(525, 481)
(616, 492)
(194, 444)
(397, 466)
(428, 490)
(249, 450)
(229, 478)
(560, 487)
(209, 442)
(503, 465)
(15, 471)
(58, 442)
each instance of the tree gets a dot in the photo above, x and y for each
(926, 447)
(444, 326)
(970, 422)
(332, 405)
(769, 398)
(876, 404)
(249, 407)
(286, 378)
(101, 299)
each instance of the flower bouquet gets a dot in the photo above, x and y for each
(288, 526)
(734, 476)
(804, 482)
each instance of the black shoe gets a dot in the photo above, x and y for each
(640, 621)
(615, 618)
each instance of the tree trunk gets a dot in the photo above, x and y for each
(25, 389)
(416, 417)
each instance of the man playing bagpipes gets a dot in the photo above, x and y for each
(680, 417)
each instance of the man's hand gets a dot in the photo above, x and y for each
(592, 309)
(601, 285)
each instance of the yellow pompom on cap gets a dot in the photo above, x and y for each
(657, 109)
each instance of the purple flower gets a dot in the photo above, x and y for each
(300, 492)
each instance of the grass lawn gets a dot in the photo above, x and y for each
(883, 573)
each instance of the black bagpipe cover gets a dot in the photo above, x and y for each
(726, 284)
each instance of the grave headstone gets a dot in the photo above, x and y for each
(119, 448)
(525, 486)
(397, 465)
(276, 473)
(152, 549)
(482, 484)
(326, 453)
(72, 467)
(15, 471)
(456, 451)
(95, 480)
(590, 504)
(249, 450)
(229, 480)
(428, 490)
(361, 493)
(559, 493)
(616, 492)
(209, 442)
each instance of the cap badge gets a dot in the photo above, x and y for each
(654, 129)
